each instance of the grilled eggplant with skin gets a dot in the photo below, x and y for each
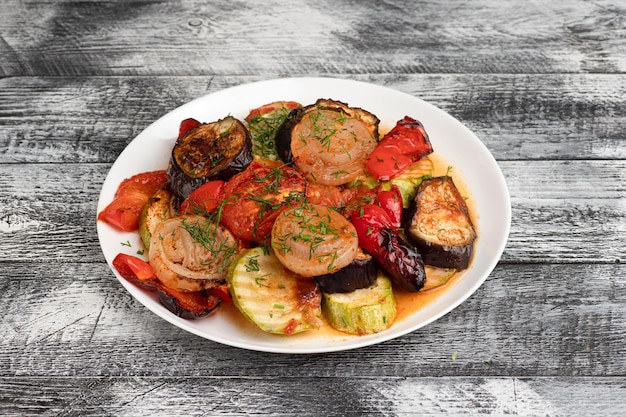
(360, 273)
(211, 151)
(439, 225)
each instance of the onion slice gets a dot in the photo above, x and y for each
(330, 147)
(190, 253)
(313, 240)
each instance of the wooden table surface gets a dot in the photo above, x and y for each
(543, 84)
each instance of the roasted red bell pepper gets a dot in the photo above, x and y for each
(406, 143)
(131, 196)
(188, 305)
(187, 125)
(391, 202)
(135, 270)
(377, 236)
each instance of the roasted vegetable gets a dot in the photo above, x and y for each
(159, 208)
(204, 199)
(130, 198)
(272, 297)
(191, 253)
(188, 305)
(254, 198)
(329, 141)
(211, 151)
(406, 143)
(283, 137)
(360, 273)
(378, 237)
(436, 277)
(363, 311)
(439, 224)
(313, 240)
(135, 270)
(264, 123)
(391, 202)
(409, 179)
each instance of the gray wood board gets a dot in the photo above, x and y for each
(324, 37)
(92, 119)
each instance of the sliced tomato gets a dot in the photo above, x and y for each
(131, 196)
(270, 107)
(255, 194)
(135, 270)
(404, 144)
(187, 125)
(204, 199)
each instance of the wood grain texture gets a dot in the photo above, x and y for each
(322, 37)
(517, 116)
(302, 396)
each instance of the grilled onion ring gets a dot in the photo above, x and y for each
(330, 147)
(313, 240)
(190, 253)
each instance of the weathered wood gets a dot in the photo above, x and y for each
(302, 396)
(323, 37)
(75, 319)
(516, 116)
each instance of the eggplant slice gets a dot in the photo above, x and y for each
(439, 225)
(211, 151)
(360, 273)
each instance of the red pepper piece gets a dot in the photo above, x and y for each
(378, 237)
(368, 221)
(131, 196)
(187, 125)
(406, 143)
(136, 270)
(188, 305)
(391, 202)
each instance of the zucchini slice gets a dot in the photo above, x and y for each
(364, 311)
(272, 297)
(436, 277)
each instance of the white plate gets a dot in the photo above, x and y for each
(471, 160)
